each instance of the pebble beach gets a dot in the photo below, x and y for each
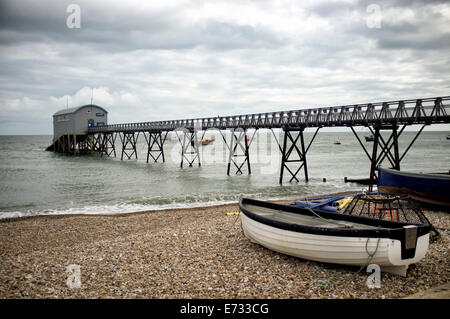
(184, 253)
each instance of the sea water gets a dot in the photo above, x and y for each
(37, 182)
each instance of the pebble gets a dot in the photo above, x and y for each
(182, 253)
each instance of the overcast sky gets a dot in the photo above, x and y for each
(155, 60)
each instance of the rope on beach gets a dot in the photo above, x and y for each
(231, 228)
(370, 257)
(235, 220)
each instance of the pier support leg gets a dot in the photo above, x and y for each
(66, 143)
(108, 142)
(155, 145)
(75, 150)
(97, 142)
(63, 143)
(129, 140)
(373, 164)
(238, 147)
(291, 153)
(382, 149)
(394, 159)
(91, 143)
(189, 147)
(83, 143)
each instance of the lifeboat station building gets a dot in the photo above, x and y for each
(70, 127)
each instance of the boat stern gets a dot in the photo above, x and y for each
(409, 250)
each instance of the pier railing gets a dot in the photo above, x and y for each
(390, 117)
(416, 111)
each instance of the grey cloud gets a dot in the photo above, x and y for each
(426, 30)
(334, 9)
(119, 32)
(179, 67)
(409, 3)
(417, 42)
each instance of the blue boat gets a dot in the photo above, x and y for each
(428, 188)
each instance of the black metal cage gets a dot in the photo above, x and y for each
(397, 208)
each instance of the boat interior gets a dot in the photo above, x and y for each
(304, 220)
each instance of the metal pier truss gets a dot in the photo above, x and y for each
(189, 146)
(238, 148)
(155, 145)
(109, 144)
(392, 116)
(129, 140)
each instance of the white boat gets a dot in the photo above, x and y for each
(334, 238)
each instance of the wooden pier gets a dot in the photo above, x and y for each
(391, 116)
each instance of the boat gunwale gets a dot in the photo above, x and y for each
(443, 176)
(388, 229)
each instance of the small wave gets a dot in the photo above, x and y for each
(109, 209)
(126, 208)
(12, 214)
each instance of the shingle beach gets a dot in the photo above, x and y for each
(183, 253)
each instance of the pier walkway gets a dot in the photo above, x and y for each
(390, 116)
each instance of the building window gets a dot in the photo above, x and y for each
(62, 118)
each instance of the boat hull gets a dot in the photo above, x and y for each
(332, 246)
(334, 249)
(429, 188)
